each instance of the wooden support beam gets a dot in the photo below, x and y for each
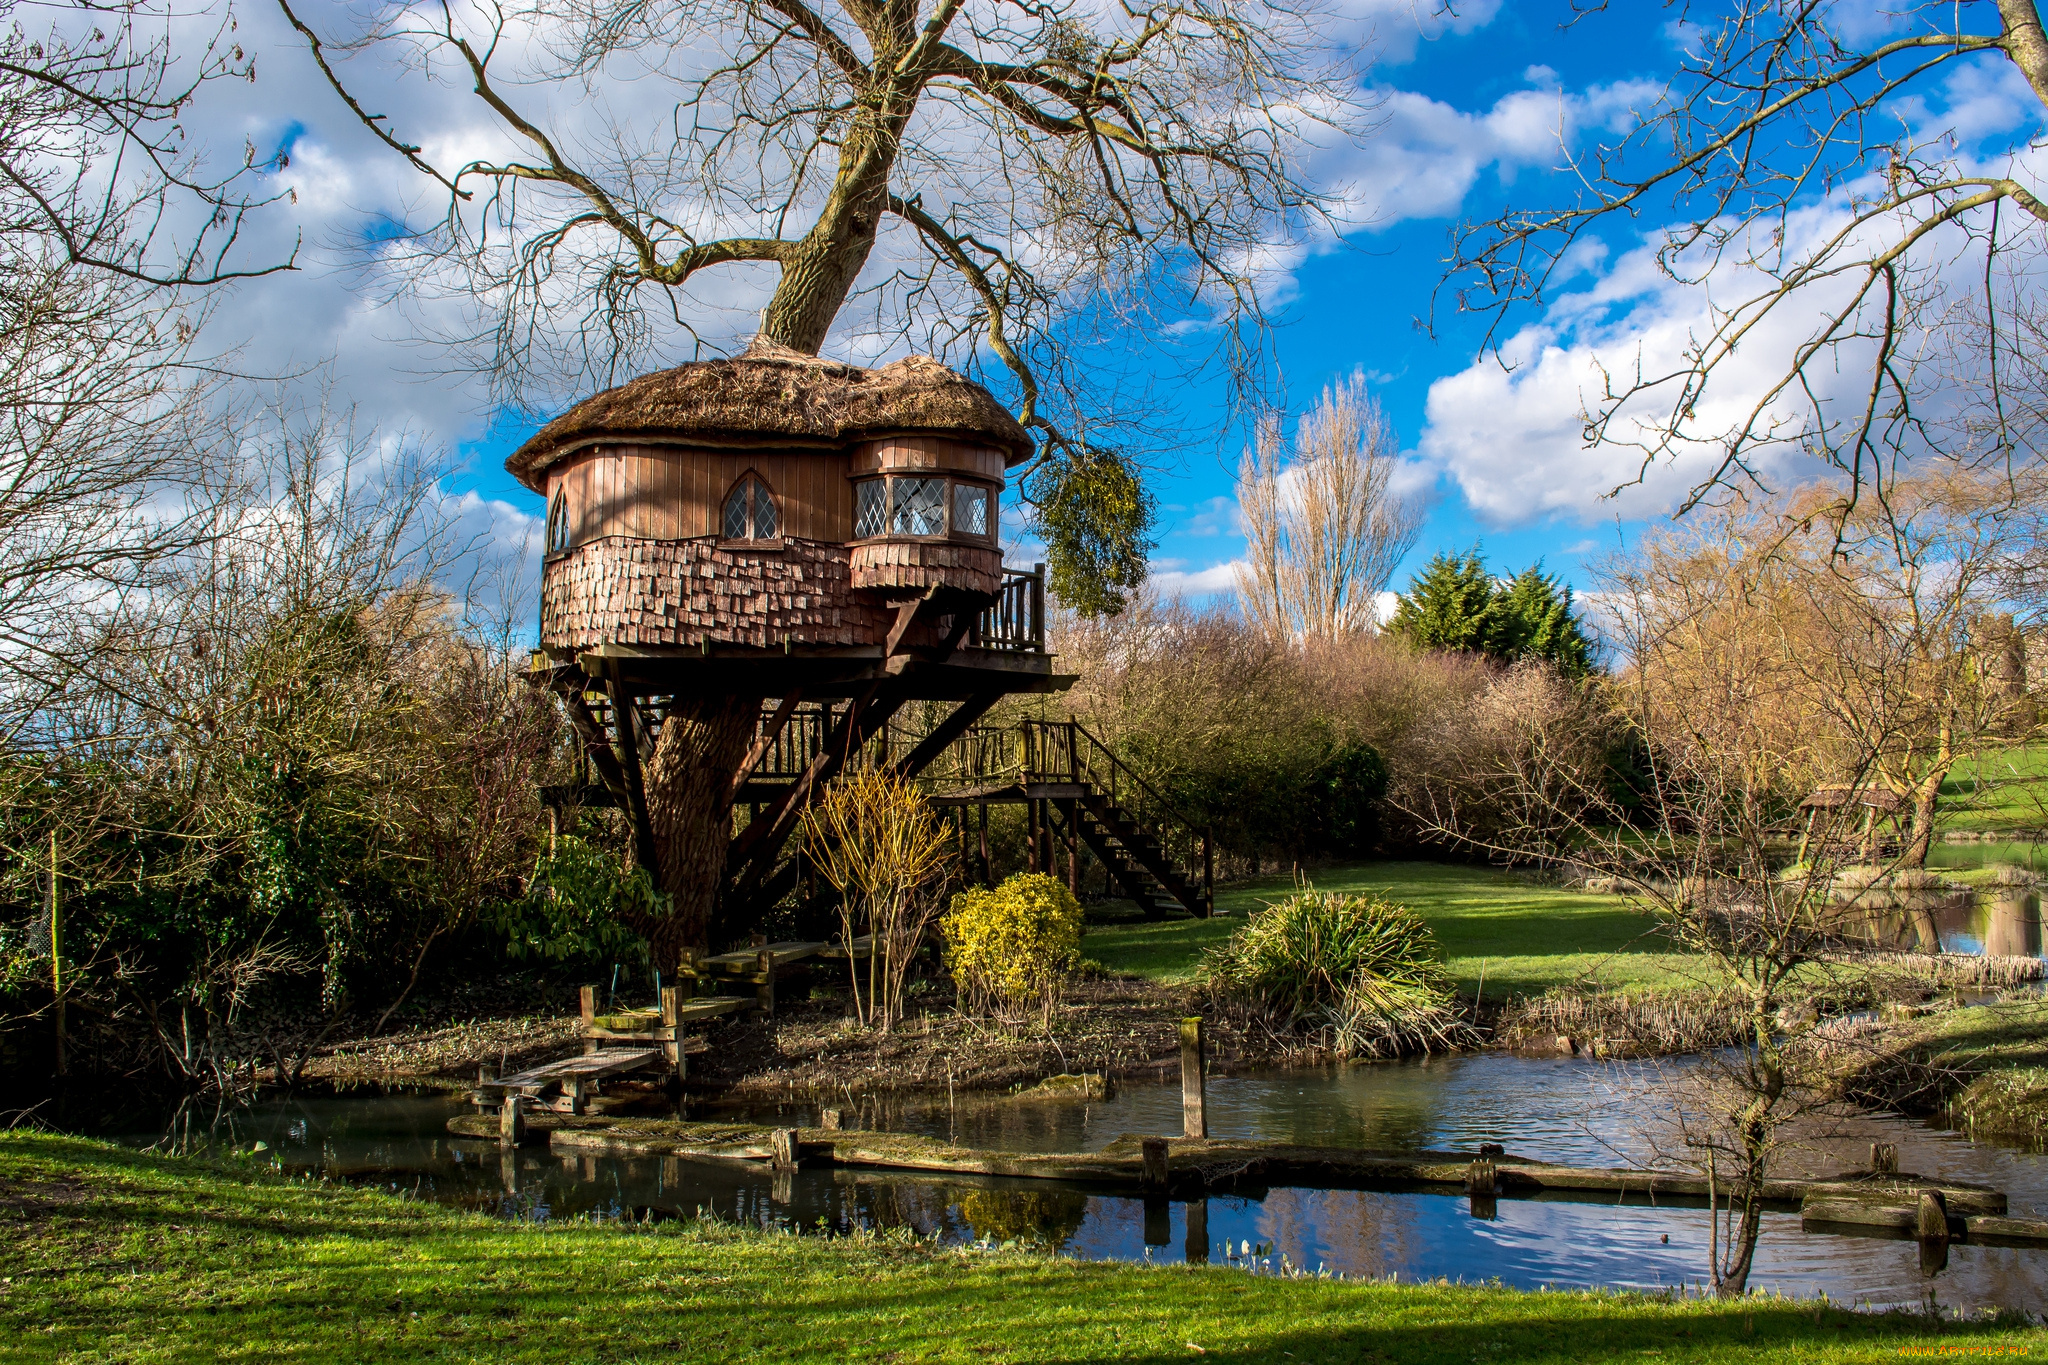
(625, 724)
(946, 733)
(764, 742)
(906, 617)
(597, 746)
(752, 855)
(987, 869)
(586, 1005)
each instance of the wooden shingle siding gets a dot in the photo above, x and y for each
(919, 564)
(629, 590)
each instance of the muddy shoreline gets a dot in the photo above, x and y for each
(1121, 1029)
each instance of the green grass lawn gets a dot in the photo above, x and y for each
(1990, 1062)
(2002, 789)
(1524, 935)
(111, 1256)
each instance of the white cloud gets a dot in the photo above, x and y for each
(1424, 155)
(1178, 582)
(1394, 28)
(1510, 430)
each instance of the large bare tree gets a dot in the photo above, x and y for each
(111, 230)
(971, 178)
(1867, 247)
(1046, 185)
(1324, 529)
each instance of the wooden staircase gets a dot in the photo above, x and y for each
(1135, 860)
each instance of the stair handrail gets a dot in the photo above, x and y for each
(1118, 767)
(1160, 809)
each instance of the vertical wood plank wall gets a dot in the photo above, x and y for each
(666, 493)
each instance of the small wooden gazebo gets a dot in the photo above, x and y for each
(1874, 801)
(784, 551)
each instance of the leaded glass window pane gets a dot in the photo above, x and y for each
(970, 510)
(920, 507)
(558, 524)
(736, 511)
(764, 512)
(868, 515)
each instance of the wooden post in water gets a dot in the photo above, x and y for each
(1197, 1247)
(586, 1002)
(511, 1121)
(1194, 1108)
(1152, 1174)
(1884, 1158)
(1932, 1227)
(1482, 1185)
(672, 1020)
(1932, 1222)
(782, 1142)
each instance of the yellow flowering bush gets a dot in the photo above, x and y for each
(1010, 947)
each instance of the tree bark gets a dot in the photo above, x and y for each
(702, 744)
(1920, 835)
(819, 274)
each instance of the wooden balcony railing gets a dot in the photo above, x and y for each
(1016, 619)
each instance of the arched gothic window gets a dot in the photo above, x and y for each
(558, 523)
(750, 511)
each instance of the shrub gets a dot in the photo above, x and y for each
(1010, 948)
(879, 843)
(573, 905)
(1361, 971)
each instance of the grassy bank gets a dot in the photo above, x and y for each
(1525, 936)
(1985, 1066)
(112, 1256)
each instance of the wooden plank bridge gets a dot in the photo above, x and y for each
(1872, 1201)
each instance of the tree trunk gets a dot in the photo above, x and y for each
(1731, 1277)
(1920, 836)
(818, 276)
(702, 744)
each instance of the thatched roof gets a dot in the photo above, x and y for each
(773, 391)
(1834, 798)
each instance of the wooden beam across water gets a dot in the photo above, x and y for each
(1862, 1200)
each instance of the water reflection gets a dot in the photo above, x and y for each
(1561, 1109)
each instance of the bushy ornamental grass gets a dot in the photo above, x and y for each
(1361, 973)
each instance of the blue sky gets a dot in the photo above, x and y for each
(1469, 99)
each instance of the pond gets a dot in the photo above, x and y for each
(1571, 1110)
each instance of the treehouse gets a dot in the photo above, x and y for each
(809, 544)
(783, 515)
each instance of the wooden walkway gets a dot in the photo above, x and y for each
(567, 1086)
(1857, 1201)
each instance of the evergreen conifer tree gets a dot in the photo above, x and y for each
(1454, 603)
(1449, 605)
(1535, 621)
